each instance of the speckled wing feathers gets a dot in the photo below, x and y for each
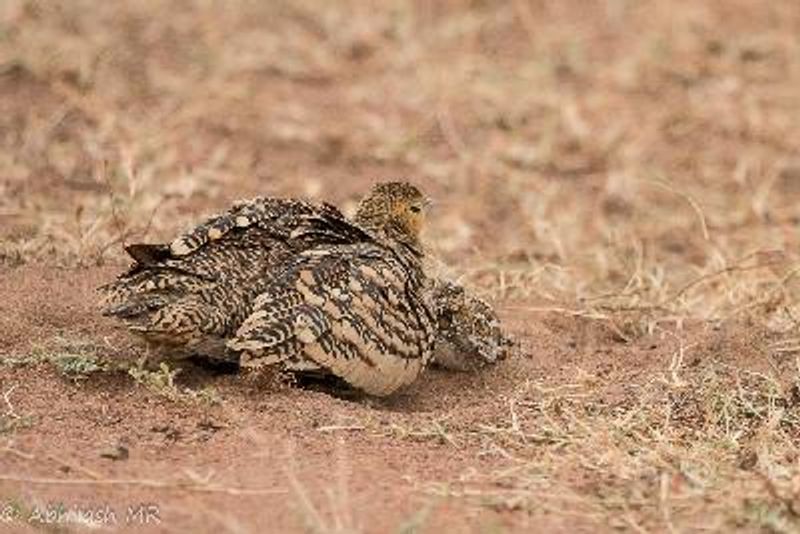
(275, 215)
(194, 293)
(353, 310)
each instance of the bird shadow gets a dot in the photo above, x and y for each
(437, 389)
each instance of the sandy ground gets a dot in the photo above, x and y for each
(620, 179)
(268, 456)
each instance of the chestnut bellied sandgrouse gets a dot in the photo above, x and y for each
(292, 283)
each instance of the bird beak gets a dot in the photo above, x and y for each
(428, 203)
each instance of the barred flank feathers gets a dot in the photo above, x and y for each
(349, 310)
(192, 295)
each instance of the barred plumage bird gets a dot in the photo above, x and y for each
(289, 282)
(469, 333)
(190, 296)
(358, 310)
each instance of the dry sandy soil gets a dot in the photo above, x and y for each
(620, 178)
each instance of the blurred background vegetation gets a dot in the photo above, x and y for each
(631, 156)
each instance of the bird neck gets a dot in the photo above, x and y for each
(385, 226)
(400, 234)
(393, 233)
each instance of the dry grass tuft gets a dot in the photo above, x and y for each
(624, 166)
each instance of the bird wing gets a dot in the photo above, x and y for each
(203, 283)
(284, 218)
(354, 310)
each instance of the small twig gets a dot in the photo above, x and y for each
(692, 202)
(10, 411)
(14, 452)
(442, 434)
(144, 483)
(563, 311)
(85, 470)
(152, 217)
(118, 225)
(733, 268)
(299, 491)
(335, 428)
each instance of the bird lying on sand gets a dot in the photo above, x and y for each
(292, 283)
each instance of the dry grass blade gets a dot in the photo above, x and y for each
(143, 483)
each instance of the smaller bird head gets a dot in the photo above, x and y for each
(397, 209)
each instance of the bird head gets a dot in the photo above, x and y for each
(396, 209)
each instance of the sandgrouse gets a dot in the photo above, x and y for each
(469, 333)
(289, 282)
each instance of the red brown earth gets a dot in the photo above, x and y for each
(266, 456)
(618, 178)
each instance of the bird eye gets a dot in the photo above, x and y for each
(415, 209)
